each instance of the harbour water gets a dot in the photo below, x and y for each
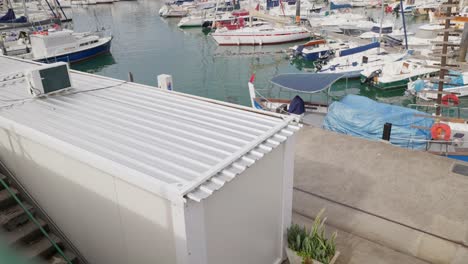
(147, 45)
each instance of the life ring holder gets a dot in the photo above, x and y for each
(441, 131)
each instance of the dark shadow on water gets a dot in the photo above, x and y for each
(96, 64)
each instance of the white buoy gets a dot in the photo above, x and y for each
(165, 82)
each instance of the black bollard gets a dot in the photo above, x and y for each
(387, 131)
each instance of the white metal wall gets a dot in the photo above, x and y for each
(244, 221)
(84, 203)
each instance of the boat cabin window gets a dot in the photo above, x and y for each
(88, 43)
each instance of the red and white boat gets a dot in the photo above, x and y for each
(259, 35)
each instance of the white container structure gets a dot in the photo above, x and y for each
(136, 174)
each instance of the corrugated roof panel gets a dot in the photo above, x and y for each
(206, 189)
(191, 144)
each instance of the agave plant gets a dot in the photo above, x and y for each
(312, 245)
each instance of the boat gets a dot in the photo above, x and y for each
(66, 45)
(426, 35)
(305, 84)
(408, 6)
(226, 18)
(351, 62)
(365, 118)
(335, 21)
(317, 49)
(457, 84)
(288, 8)
(173, 11)
(387, 30)
(259, 35)
(397, 74)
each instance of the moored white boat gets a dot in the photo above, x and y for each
(260, 35)
(427, 90)
(351, 62)
(67, 46)
(317, 49)
(397, 74)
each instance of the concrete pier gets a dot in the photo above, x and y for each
(407, 201)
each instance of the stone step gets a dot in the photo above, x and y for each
(25, 233)
(357, 250)
(6, 199)
(58, 259)
(14, 216)
(42, 249)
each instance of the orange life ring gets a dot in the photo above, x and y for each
(450, 98)
(441, 131)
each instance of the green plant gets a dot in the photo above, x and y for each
(312, 245)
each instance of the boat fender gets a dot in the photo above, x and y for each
(440, 131)
(450, 99)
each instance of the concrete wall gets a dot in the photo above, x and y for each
(407, 200)
(108, 220)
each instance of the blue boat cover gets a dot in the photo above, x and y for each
(306, 82)
(297, 106)
(9, 16)
(352, 51)
(362, 117)
(334, 6)
(456, 80)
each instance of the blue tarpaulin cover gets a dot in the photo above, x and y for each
(306, 82)
(355, 50)
(334, 6)
(363, 117)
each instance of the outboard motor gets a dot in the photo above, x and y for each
(371, 76)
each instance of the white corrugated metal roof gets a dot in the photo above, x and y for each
(176, 143)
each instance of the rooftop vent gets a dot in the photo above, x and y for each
(48, 79)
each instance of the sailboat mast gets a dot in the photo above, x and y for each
(25, 10)
(381, 22)
(404, 23)
(443, 58)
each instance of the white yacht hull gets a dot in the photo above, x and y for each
(256, 37)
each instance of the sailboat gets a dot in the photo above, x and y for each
(276, 32)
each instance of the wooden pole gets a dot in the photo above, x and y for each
(443, 59)
(464, 44)
(130, 76)
(298, 12)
